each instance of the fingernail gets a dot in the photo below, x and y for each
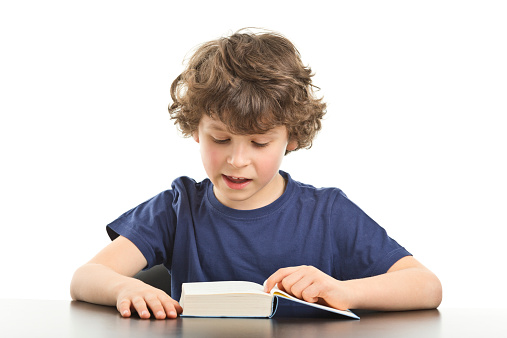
(125, 313)
(172, 313)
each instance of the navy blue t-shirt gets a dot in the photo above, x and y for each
(199, 239)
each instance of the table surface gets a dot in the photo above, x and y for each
(46, 318)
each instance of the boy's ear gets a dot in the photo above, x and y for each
(293, 144)
(195, 136)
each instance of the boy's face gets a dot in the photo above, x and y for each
(243, 168)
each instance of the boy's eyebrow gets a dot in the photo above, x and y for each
(269, 132)
(219, 127)
(216, 126)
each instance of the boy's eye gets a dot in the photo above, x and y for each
(220, 141)
(260, 145)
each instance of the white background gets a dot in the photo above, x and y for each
(415, 132)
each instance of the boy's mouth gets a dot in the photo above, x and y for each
(237, 179)
(234, 182)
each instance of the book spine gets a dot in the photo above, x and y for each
(274, 306)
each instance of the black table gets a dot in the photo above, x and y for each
(45, 318)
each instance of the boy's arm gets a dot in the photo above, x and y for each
(408, 285)
(107, 280)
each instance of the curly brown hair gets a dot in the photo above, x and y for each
(250, 82)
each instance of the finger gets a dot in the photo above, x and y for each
(139, 305)
(281, 288)
(171, 307)
(155, 306)
(123, 307)
(311, 293)
(178, 307)
(278, 276)
(295, 283)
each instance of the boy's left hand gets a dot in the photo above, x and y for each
(310, 284)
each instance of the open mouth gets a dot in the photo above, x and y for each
(236, 182)
(237, 179)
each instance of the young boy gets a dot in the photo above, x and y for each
(247, 100)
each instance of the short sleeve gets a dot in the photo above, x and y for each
(364, 247)
(150, 226)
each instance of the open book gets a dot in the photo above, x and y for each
(237, 299)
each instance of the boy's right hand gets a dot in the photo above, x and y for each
(143, 298)
(107, 280)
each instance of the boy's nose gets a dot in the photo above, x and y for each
(239, 157)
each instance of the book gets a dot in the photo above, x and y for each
(237, 299)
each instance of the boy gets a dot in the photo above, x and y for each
(248, 101)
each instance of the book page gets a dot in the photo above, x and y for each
(277, 292)
(214, 288)
(225, 299)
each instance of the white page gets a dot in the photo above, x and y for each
(214, 288)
